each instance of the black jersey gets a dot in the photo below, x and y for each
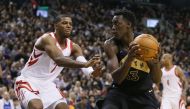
(138, 79)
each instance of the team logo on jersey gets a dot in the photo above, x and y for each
(137, 64)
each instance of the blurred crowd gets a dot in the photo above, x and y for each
(20, 27)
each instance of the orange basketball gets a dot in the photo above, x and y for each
(149, 46)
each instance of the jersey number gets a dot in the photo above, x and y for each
(133, 76)
(168, 82)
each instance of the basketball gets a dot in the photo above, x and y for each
(149, 46)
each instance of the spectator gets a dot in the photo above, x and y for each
(16, 103)
(6, 102)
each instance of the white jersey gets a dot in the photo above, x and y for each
(41, 67)
(172, 87)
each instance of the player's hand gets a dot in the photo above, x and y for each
(183, 97)
(93, 61)
(133, 51)
(155, 60)
(97, 72)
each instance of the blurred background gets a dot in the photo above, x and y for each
(23, 21)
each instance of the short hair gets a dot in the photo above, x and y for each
(59, 17)
(128, 15)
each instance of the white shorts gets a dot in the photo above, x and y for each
(172, 103)
(28, 89)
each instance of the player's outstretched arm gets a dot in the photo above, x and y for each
(77, 53)
(48, 44)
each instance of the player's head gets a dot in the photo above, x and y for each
(123, 23)
(63, 25)
(6, 95)
(166, 59)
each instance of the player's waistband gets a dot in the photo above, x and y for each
(35, 79)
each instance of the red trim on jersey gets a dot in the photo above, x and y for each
(25, 85)
(35, 59)
(31, 62)
(37, 55)
(179, 85)
(21, 85)
(62, 94)
(71, 45)
(66, 43)
(53, 68)
(21, 82)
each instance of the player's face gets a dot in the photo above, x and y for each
(119, 26)
(65, 26)
(165, 60)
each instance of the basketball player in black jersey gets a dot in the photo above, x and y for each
(133, 78)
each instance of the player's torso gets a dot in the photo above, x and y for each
(41, 66)
(138, 79)
(171, 83)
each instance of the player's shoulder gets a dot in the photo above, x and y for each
(178, 71)
(75, 46)
(48, 35)
(47, 38)
(110, 46)
(73, 43)
(178, 68)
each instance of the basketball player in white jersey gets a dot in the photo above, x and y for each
(34, 87)
(174, 83)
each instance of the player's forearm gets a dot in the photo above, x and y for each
(67, 62)
(86, 71)
(120, 74)
(111, 65)
(156, 73)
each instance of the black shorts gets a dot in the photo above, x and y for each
(118, 100)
